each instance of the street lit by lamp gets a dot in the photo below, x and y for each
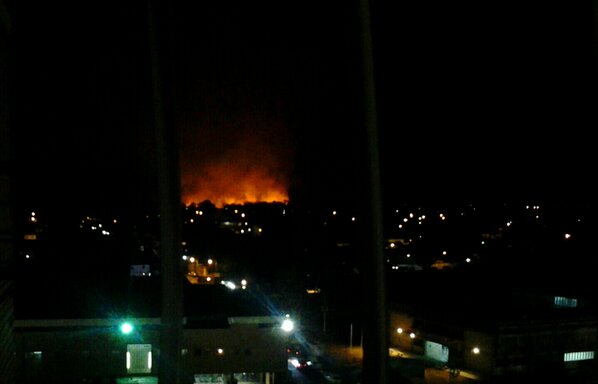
(476, 351)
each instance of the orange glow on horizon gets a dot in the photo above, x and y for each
(223, 184)
(236, 157)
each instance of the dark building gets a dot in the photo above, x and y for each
(6, 227)
(501, 334)
(228, 336)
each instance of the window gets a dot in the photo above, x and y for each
(564, 302)
(578, 356)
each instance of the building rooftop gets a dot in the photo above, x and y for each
(138, 297)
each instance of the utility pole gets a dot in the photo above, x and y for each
(159, 18)
(375, 352)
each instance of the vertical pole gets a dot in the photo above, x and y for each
(169, 193)
(351, 337)
(375, 328)
(7, 236)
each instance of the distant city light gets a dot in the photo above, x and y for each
(411, 215)
(405, 220)
(243, 282)
(476, 350)
(208, 278)
(27, 256)
(242, 231)
(220, 351)
(184, 257)
(210, 261)
(192, 259)
(353, 218)
(444, 252)
(567, 235)
(400, 226)
(242, 215)
(191, 221)
(423, 217)
(483, 242)
(392, 245)
(32, 213)
(412, 335)
(509, 223)
(399, 330)
(334, 213)
(230, 285)
(259, 230)
(468, 260)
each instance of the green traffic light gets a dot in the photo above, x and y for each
(126, 328)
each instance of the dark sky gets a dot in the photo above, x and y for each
(492, 100)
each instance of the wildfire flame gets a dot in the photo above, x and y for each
(246, 165)
(224, 184)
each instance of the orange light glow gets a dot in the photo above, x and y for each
(236, 157)
(223, 184)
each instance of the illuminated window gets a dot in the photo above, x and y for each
(578, 356)
(565, 302)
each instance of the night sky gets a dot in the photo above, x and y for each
(475, 101)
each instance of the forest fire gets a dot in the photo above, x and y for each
(224, 184)
(242, 161)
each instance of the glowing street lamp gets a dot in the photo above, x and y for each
(287, 325)
(126, 328)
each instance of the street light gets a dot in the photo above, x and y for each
(126, 328)
(287, 325)
(475, 350)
